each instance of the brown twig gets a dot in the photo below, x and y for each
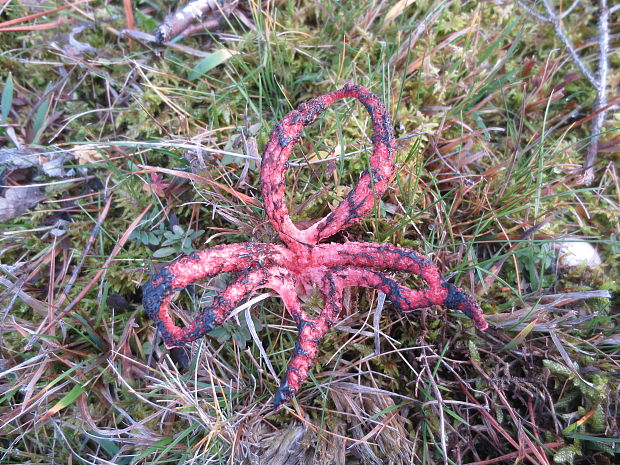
(129, 18)
(245, 199)
(523, 438)
(521, 452)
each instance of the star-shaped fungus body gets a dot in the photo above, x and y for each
(303, 262)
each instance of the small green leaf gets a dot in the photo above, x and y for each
(253, 130)
(154, 448)
(208, 63)
(240, 339)
(164, 252)
(257, 324)
(7, 97)
(39, 123)
(109, 446)
(221, 334)
(519, 338)
(154, 239)
(178, 230)
(132, 166)
(566, 454)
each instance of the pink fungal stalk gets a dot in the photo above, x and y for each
(303, 263)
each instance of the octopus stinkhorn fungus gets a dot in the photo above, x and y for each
(303, 263)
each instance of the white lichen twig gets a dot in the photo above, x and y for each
(598, 81)
(601, 92)
(177, 22)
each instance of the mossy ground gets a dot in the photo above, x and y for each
(486, 189)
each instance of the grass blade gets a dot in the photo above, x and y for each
(7, 97)
(207, 64)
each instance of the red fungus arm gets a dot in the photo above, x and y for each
(359, 201)
(407, 300)
(333, 280)
(311, 331)
(254, 263)
(380, 256)
(354, 257)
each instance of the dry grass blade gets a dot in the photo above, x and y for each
(26, 18)
(246, 200)
(34, 27)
